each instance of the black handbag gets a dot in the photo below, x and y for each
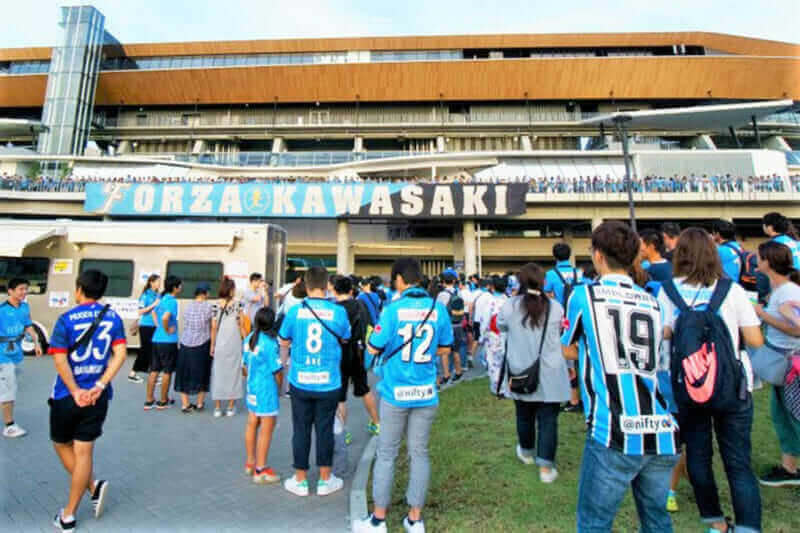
(527, 381)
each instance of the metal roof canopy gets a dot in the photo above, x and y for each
(698, 118)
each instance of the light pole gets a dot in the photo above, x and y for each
(620, 123)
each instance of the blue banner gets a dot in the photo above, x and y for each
(306, 200)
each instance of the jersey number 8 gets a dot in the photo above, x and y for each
(314, 338)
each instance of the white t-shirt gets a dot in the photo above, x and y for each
(481, 301)
(736, 310)
(468, 296)
(788, 292)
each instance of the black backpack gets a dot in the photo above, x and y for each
(451, 304)
(706, 373)
(567, 285)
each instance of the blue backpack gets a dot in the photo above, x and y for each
(705, 371)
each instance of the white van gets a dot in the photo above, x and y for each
(51, 254)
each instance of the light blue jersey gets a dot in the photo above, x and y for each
(618, 328)
(409, 377)
(147, 299)
(262, 363)
(553, 283)
(731, 259)
(316, 352)
(168, 304)
(13, 321)
(794, 247)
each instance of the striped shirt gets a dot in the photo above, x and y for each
(196, 328)
(618, 328)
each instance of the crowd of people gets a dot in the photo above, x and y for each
(542, 184)
(659, 343)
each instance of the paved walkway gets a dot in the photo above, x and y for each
(168, 471)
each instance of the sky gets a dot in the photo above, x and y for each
(27, 23)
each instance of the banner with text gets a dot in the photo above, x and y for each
(325, 200)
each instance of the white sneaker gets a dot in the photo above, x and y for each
(548, 477)
(418, 527)
(298, 488)
(330, 486)
(217, 413)
(365, 526)
(526, 459)
(14, 431)
(99, 497)
(231, 412)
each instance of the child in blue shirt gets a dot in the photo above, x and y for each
(261, 366)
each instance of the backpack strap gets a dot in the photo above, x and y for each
(675, 297)
(720, 292)
(322, 322)
(561, 277)
(89, 333)
(411, 339)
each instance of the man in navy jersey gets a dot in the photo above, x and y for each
(412, 331)
(615, 330)
(82, 390)
(315, 330)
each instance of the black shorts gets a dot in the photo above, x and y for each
(476, 331)
(353, 370)
(69, 422)
(165, 355)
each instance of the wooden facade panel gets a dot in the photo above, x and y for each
(723, 42)
(23, 91)
(727, 77)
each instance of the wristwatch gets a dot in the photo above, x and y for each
(100, 385)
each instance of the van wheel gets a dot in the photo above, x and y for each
(27, 342)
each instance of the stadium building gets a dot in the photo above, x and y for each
(479, 108)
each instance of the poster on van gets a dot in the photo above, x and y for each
(62, 266)
(58, 299)
(126, 308)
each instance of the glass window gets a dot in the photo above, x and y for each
(119, 272)
(34, 269)
(192, 273)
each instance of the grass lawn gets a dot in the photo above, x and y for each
(479, 485)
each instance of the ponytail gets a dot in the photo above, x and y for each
(534, 302)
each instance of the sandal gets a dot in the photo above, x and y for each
(188, 409)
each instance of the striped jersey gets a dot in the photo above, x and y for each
(618, 328)
(793, 245)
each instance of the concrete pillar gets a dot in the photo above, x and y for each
(525, 143)
(596, 221)
(124, 147)
(200, 146)
(470, 248)
(440, 147)
(278, 145)
(344, 259)
(776, 142)
(568, 239)
(702, 142)
(358, 144)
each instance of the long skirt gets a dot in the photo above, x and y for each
(193, 371)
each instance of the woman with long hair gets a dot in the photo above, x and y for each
(532, 320)
(193, 371)
(782, 339)
(262, 369)
(697, 272)
(229, 331)
(148, 301)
